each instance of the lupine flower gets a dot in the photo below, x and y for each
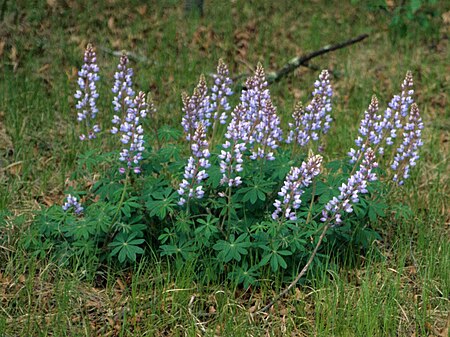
(262, 125)
(397, 109)
(133, 134)
(297, 133)
(87, 93)
(197, 109)
(123, 90)
(73, 202)
(356, 184)
(195, 170)
(220, 91)
(232, 154)
(407, 153)
(370, 132)
(296, 181)
(315, 118)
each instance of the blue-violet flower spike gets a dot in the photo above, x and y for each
(408, 152)
(195, 170)
(132, 135)
(356, 184)
(87, 93)
(296, 181)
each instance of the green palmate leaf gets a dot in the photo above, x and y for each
(256, 190)
(214, 176)
(244, 274)
(168, 235)
(126, 246)
(207, 229)
(186, 249)
(232, 249)
(162, 203)
(168, 152)
(168, 133)
(376, 210)
(81, 229)
(275, 258)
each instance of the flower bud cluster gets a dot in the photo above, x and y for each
(315, 118)
(293, 188)
(195, 170)
(87, 93)
(356, 184)
(408, 152)
(133, 134)
(73, 202)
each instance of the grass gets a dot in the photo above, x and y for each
(399, 289)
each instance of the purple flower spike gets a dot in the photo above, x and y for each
(197, 109)
(87, 93)
(315, 118)
(195, 170)
(132, 134)
(356, 184)
(296, 181)
(220, 91)
(73, 202)
(123, 84)
(408, 152)
(297, 133)
(369, 130)
(236, 143)
(261, 120)
(397, 109)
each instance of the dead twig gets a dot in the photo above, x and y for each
(303, 60)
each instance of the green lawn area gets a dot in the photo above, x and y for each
(398, 288)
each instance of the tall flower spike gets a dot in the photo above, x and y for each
(123, 85)
(195, 170)
(220, 91)
(408, 152)
(296, 181)
(197, 109)
(123, 90)
(72, 201)
(296, 133)
(263, 123)
(231, 157)
(133, 135)
(356, 184)
(87, 93)
(397, 110)
(315, 118)
(370, 133)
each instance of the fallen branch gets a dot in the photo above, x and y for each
(302, 272)
(303, 60)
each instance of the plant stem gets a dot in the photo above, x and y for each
(312, 202)
(122, 197)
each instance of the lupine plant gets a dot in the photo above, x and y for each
(245, 202)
